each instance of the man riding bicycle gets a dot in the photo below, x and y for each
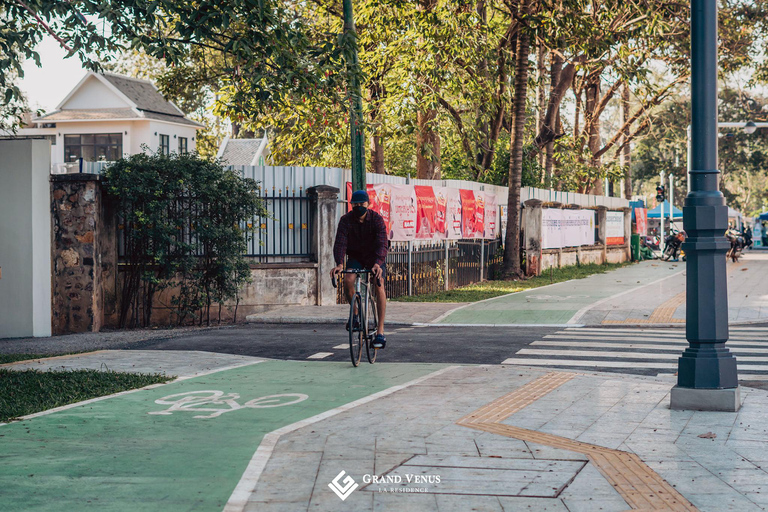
(362, 237)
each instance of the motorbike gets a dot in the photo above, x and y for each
(747, 239)
(652, 242)
(673, 247)
(737, 242)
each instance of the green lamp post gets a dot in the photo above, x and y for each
(357, 134)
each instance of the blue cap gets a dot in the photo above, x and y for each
(359, 196)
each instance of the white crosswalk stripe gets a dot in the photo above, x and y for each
(644, 350)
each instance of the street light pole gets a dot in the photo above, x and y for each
(707, 378)
(356, 133)
(661, 224)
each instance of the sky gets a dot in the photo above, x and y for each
(46, 86)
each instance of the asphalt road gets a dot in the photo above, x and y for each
(457, 345)
(619, 350)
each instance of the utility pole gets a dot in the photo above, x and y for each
(661, 228)
(671, 199)
(356, 132)
(707, 378)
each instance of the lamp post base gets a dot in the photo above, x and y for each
(690, 399)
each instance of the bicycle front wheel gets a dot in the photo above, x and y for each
(372, 318)
(356, 330)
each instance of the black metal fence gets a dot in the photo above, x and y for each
(439, 266)
(282, 236)
(286, 234)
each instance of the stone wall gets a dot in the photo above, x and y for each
(79, 248)
(582, 255)
(272, 286)
(87, 277)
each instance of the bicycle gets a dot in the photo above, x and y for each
(366, 319)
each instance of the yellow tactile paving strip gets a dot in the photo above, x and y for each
(637, 483)
(661, 315)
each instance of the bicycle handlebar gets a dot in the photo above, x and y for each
(355, 271)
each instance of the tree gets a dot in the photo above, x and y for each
(262, 47)
(512, 246)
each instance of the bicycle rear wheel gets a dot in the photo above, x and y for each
(356, 335)
(373, 324)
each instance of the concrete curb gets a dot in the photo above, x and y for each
(310, 320)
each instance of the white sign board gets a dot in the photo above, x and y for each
(614, 228)
(567, 228)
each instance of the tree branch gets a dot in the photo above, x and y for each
(640, 111)
(48, 29)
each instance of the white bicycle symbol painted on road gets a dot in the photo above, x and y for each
(194, 401)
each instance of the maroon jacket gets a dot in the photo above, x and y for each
(364, 241)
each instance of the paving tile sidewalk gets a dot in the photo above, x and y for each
(499, 437)
(178, 363)
(664, 301)
(414, 434)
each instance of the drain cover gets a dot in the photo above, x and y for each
(479, 476)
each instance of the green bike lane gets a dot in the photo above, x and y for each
(150, 450)
(561, 303)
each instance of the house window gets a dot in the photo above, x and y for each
(93, 147)
(165, 146)
(183, 148)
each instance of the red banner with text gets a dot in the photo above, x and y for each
(431, 213)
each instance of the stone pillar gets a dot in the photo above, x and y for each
(532, 226)
(25, 238)
(602, 221)
(323, 204)
(83, 254)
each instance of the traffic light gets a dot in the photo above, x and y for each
(660, 196)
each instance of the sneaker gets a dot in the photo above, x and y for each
(357, 324)
(380, 341)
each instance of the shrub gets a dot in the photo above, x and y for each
(181, 218)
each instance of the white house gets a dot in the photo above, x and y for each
(244, 151)
(108, 116)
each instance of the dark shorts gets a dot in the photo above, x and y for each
(353, 264)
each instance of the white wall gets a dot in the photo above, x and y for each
(174, 131)
(135, 133)
(94, 94)
(87, 127)
(25, 239)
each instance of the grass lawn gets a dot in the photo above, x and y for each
(31, 391)
(490, 289)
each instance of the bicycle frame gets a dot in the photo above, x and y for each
(363, 287)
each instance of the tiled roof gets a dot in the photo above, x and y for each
(240, 151)
(150, 104)
(143, 94)
(90, 114)
(171, 119)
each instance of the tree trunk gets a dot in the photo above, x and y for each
(377, 148)
(556, 66)
(427, 146)
(512, 246)
(541, 57)
(594, 143)
(625, 153)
